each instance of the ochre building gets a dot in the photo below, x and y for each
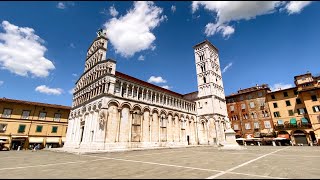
(112, 110)
(25, 123)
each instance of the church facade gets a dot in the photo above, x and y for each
(112, 110)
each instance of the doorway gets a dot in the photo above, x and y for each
(188, 139)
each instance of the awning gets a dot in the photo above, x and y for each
(304, 120)
(280, 121)
(19, 136)
(4, 137)
(35, 139)
(279, 138)
(283, 136)
(293, 121)
(52, 139)
(63, 139)
(241, 139)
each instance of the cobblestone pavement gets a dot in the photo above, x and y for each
(257, 162)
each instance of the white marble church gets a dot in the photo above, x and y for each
(112, 110)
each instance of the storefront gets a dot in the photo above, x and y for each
(300, 138)
(53, 142)
(33, 141)
(19, 142)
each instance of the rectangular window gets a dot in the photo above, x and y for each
(298, 101)
(22, 128)
(302, 111)
(243, 106)
(273, 97)
(25, 114)
(6, 113)
(267, 124)
(247, 126)
(259, 94)
(276, 114)
(316, 108)
(54, 129)
(285, 94)
(256, 125)
(288, 103)
(251, 104)
(231, 108)
(314, 98)
(3, 128)
(57, 117)
(39, 128)
(275, 105)
(42, 115)
(236, 127)
(290, 112)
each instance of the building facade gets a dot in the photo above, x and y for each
(249, 112)
(296, 111)
(112, 110)
(25, 123)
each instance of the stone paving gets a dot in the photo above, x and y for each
(256, 162)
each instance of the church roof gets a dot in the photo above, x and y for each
(143, 83)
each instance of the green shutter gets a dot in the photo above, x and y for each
(304, 120)
(54, 129)
(21, 129)
(39, 129)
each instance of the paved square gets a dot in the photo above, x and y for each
(262, 162)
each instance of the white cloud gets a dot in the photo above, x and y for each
(71, 91)
(154, 79)
(22, 52)
(166, 87)
(228, 11)
(227, 67)
(296, 6)
(1, 82)
(131, 33)
(141, 58)
(46, 90)
(279, 86)
(173, 8)
(74, 74)
(61, 5)
(113, 11)
(64, 5)
(72, 45)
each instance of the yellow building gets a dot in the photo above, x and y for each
(24, 124)
(308, 87)
(295, 111)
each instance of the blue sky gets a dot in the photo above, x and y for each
(43, 44)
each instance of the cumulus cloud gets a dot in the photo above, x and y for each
(154, 79)
(113, 12)
(46, 90)
(279, 86)
(1, 82)
(131, 33)
(22, 52)
(228, 11)
(173, 8)
(63, 5)
(227, 67)
(166, 87)
(296, 6)
(141, 58)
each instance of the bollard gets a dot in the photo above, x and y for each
(274, 143)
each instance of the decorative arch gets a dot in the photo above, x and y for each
(176, 114)
(137, 106)
(155, 110)
(170, 113)
(163, 112)
(113, 101)
(299, 131)
(146, 108)
(125, 104)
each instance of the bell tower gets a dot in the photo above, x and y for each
(211, 103)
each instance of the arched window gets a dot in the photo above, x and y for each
(204, 80)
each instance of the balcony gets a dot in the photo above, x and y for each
(292, 126)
